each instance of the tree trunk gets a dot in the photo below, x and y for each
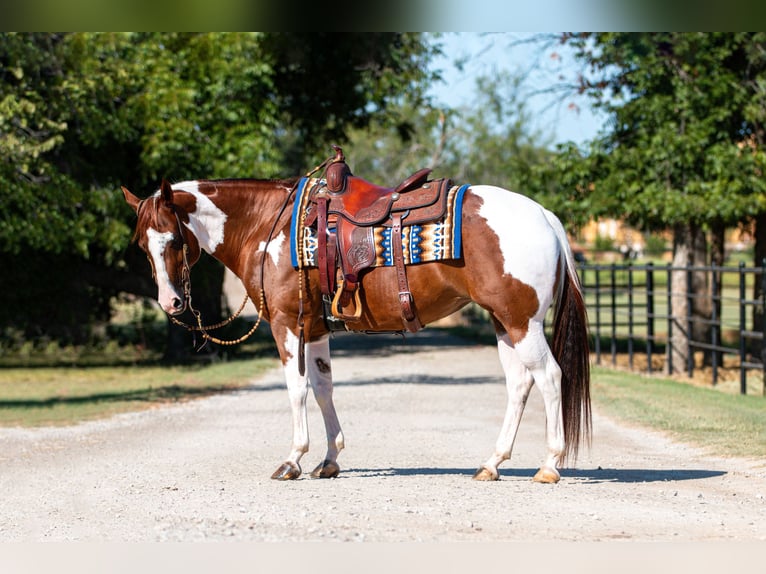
(678, 344)
(702, 303)
(689, 249)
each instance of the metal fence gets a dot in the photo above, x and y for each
(631, 318)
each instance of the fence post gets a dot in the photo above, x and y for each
(598, 314)
(649, 314)
(742, 329)
(630, 315)
(669, 344)
(714, 331)
(689, 324)
(763, 327)
(613, 289)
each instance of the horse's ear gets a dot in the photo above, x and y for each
(132, 200)
(166, 192)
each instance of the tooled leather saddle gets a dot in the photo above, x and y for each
(345, 212)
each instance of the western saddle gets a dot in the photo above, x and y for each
(345, 211)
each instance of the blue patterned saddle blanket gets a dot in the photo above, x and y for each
(434, 241)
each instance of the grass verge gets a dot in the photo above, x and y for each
(61, 396)
(724, 424)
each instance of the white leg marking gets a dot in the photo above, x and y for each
(518, 382)
(166, 292)
(297, 389)
(320, 376)
(534, 352)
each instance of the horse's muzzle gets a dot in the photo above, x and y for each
(178, 306)
(173, 306)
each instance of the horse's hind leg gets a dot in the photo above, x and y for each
(526, 362)
(320, 376)
(518, 381)
(535, 353)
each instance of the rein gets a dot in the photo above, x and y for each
(186, 280)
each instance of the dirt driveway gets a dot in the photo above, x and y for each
(419, 417)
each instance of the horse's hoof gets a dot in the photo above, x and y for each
(486, 474)
(326, 469)
(288, 471)
(547, 475)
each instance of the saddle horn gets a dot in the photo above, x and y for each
(337, 172)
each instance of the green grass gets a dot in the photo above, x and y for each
(724, 424)
(62, 396)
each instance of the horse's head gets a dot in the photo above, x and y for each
(169, 245)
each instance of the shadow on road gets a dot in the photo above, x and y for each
(388, 344)
(588, 476)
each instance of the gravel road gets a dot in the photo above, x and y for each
(419, 417)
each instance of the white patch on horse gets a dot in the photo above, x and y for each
(207, 221)
(297, 391)
(274, 248)
(528, 247)
(157, 243)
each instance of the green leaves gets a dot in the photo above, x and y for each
(83, 113)
(687, 142)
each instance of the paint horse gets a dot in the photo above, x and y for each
(515, 263)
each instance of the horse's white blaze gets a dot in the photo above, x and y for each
(157, 243)
(528, 247)
(207, 221)
(274, 247)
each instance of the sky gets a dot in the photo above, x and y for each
(567, 119)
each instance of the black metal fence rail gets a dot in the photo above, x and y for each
(630, 312)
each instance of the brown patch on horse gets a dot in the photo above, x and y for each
(322, 366)
(521, 302)
(526, 305)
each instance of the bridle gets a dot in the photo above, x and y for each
(186, 284)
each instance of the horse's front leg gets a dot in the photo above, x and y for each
(297, 389)
(320, 376)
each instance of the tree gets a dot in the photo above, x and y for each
(684, 149)
(82, 114)
(491, 142)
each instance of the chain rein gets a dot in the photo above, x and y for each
(203, 329)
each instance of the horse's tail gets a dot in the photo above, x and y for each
(570, 348)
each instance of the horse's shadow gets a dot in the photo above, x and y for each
(584, 475)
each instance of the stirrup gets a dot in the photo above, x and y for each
(338, 312)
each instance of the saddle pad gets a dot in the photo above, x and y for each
(422, 243)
